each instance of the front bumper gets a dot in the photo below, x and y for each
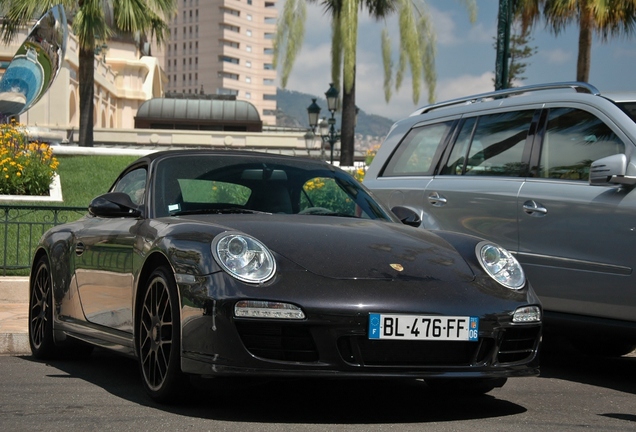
(332, 341)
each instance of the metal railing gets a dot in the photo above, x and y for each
(21, 227)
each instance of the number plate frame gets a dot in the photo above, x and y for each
(423, 327)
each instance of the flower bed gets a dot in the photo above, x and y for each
(26, 168)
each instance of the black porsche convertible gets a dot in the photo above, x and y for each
(239, 264)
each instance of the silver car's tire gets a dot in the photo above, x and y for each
(41, 312)
(158, 338)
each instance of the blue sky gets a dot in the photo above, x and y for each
(465, 59)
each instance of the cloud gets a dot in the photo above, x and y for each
(465, 85)
(557, 56)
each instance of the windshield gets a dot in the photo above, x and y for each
(189, 184)
(629, 108)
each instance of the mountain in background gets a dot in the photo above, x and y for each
(292, 112)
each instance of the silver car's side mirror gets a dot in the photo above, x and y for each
(35, 64)
(611, 170)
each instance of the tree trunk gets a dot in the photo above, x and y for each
(585, 44)
(348, 125)
(86, 95)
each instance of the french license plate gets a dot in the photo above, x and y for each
(423, 327)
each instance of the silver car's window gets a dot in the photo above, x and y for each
(416, 153)
(456, 161)
(496, 148)
(133, 184)
(572, 141)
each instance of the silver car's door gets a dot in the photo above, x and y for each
(576, 241)
(404, 179)
(476, 189)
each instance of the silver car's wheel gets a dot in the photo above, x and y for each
(158, 337)
(41, 312)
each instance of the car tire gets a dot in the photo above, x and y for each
(41, 337)
(465, 386)
(158, 338)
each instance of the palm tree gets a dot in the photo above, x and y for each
(606, 18)
(417, 49)
(93, 22)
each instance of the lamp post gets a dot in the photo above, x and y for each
(327, 127)
(309, 141)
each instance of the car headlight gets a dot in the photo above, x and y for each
(500, 265)
(244, 257)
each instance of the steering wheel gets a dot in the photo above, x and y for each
(315, 210)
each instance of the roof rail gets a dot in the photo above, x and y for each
(578, 86)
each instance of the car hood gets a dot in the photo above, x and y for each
(348, 248)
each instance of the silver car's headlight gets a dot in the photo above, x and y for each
(500, 265)
(244, 257)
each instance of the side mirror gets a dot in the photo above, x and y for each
(407, 216)
(35, 65)
(114, 204)
(611, 170)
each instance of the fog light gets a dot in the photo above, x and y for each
(527, 314)
(266, 309)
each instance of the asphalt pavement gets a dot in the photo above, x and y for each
(14, 313)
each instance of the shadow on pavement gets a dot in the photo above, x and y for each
(293, 400)
(560, 360)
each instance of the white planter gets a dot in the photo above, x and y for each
(55, 194)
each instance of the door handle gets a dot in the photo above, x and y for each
(436, 199)
(533, 208)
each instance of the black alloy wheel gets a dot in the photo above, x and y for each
(158, 338)
(41, 312)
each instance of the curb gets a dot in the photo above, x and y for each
(14, 305)
(14, 344)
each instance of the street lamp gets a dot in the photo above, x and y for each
(327, 128)
(310, 137)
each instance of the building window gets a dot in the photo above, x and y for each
(248, 79)
(248, 64)
(228, 75)
(226, 91)
(248, 48)
(249, 33)
(268, 82)
(248, 95)
(228, 59)
(268, 66)
(249, 17)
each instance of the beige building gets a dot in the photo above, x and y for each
(123, 81)
(223, 47)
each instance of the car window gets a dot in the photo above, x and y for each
(416, 153)
(133, 184)
(491, 145)
(213, 192)
(457, 160)
(628, 108)
(573, 140)
(325, 193)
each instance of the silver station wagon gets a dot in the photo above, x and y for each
(548, 172)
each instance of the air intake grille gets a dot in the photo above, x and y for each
(363, 351)
(275, 341)
(518, 344)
